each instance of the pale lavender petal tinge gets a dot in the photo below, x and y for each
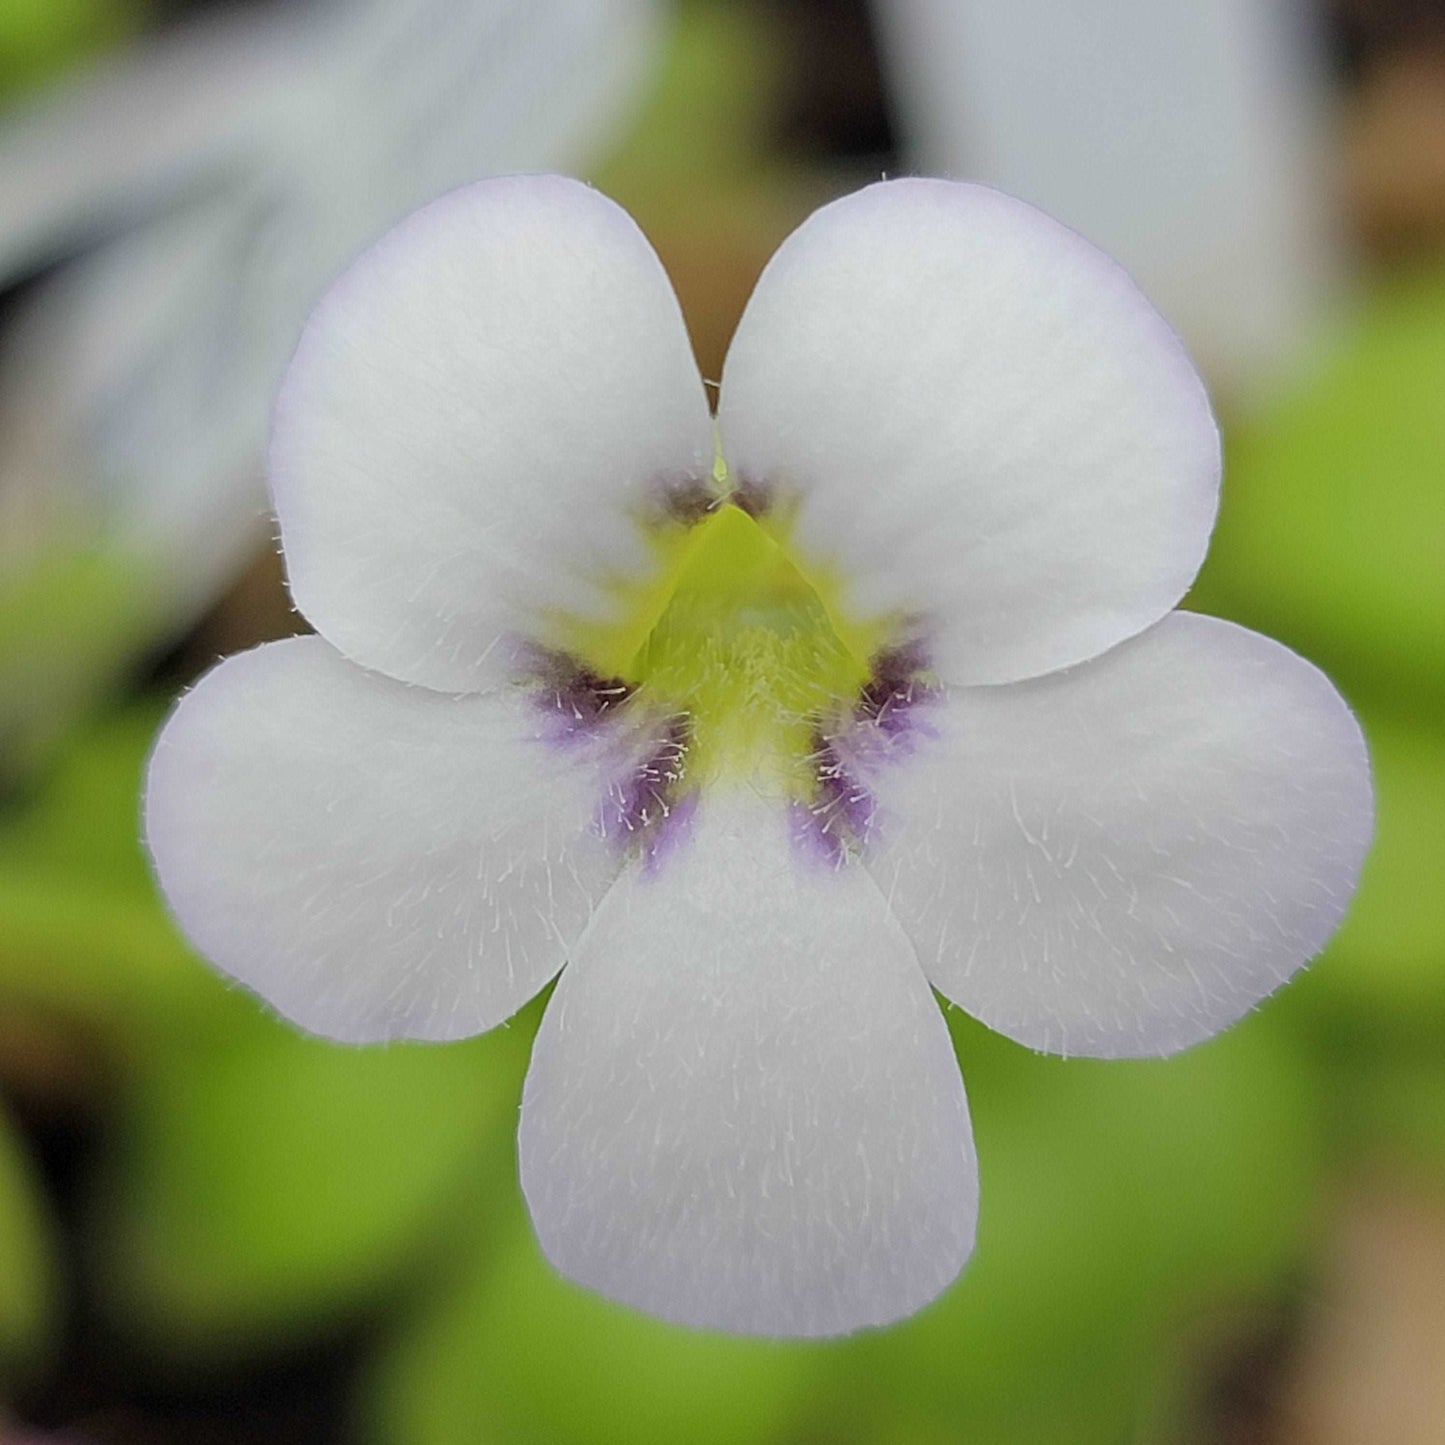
(977, 422)
(744, 1111)
(1123, 858)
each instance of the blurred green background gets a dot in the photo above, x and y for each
(215, 1230)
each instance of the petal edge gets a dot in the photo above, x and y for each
(975, 418)
(1124, 858)
(744, 1110)
(479, 416)
(376, 860)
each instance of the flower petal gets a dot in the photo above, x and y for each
(479, 415)
(977, 422)
(743, 1110)
(376, 860)
(1124, 858)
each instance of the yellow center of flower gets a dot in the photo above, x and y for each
(733, 634)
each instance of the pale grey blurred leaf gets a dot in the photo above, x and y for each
(214, 184)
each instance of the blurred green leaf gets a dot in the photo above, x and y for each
(1121, 1202)
(83, 934)
(1332, 528)
(82, 816)
(70, 625)
(701, 158)
(703, 118)
(263, 1185)
(1392, 1112)
(27, 1257)
(101, 956)
(38, 38)
(512, 1354)
(1387, 964)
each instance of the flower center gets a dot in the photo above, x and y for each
(748, 668)
(747, 647)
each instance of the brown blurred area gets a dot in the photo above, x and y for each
(1370, 1363)
(1393, 153)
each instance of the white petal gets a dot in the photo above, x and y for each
(1123, 859)
(743, 1110)
(479, 413)
(984, 427)
(376, 860)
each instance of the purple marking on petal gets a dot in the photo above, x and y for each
(574, 699)
(841, 815)
(888, 698)
(663, 840)
(816, 844)
(641, 756)
(835, 821)
(842, 805)
(639, 805)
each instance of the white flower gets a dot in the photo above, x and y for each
(760, 751)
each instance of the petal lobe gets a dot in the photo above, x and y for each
(1124, 858)
(975, 418)
(743, 1111)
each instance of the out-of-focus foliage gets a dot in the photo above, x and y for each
(27, 1259)
(698, 172)
(83, 819)
(1392, 1115)
(69, 619)
(1388, 961)
(704, 126)
(1332, 531)
(40, 37)
(269, 1180)
(83, 938)
(68, 622)
(510, 1352)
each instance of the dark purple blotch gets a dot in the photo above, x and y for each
(842, 808)
(841, 812)
(641, 768)
(894, 688)
(576, 698)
